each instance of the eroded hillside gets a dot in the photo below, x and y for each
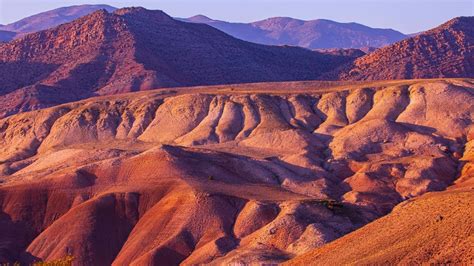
(222, 175)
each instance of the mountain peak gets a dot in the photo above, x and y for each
(130, 10)
(459, 23)
(200, 19)
(99, 13)
(278, 22)
(52, 18)
(143, 13)
(70, 10)
(282, 19)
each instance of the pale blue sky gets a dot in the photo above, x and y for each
(407, 16)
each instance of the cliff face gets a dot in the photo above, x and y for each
(445, 51)
(226, 175)
(137, 49)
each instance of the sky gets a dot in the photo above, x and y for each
(407, 16)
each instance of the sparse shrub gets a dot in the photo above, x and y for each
(328, 203)
(66, 261)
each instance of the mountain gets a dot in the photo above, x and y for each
(6, 36)
(313, 34)
(137, 49)
(244, 174)
(53, 18)
(445, 51)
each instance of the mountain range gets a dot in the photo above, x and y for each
(136, 49)
(313, 34)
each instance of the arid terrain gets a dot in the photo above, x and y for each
(445, 51)
(129, 137)
(250, 173)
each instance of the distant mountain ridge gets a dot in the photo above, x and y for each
(313, 34)
(51, 18)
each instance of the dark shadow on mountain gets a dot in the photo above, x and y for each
(19, 74)
(36, 97)
(89, 77)
(14, 238)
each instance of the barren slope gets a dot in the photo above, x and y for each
(436, 228)
(229, 174)
(445, 51)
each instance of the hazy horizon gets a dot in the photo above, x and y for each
(402, 15)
